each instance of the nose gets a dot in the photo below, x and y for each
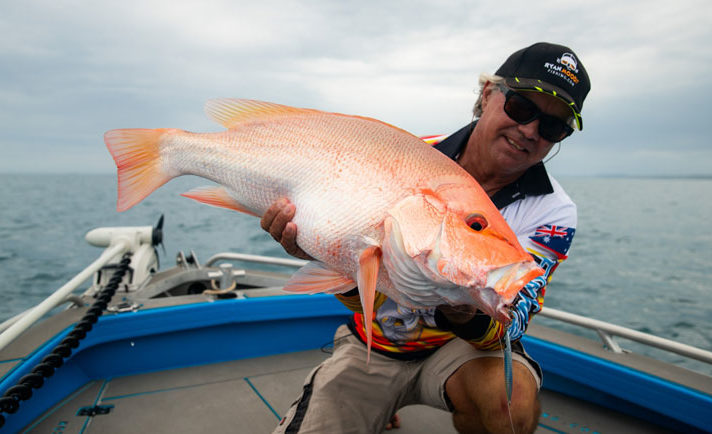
(530, 131)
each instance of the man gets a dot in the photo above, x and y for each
(449, 357)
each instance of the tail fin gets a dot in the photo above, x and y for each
(137, 157)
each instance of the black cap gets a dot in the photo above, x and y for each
(549, 68)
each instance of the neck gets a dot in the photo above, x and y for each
(475, 162)
(491, 182)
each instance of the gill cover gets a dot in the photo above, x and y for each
(411, 229)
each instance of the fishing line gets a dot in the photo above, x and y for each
(506, 348)
(328, 348)
(558, 148)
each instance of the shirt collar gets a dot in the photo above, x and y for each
(533, 182)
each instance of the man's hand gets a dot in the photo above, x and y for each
(394, 423)
(277, 220)
(525, 303)
(458, 314)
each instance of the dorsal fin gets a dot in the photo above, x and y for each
(230, 112)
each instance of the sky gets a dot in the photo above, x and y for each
(71, 70)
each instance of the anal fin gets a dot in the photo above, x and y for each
(217, 196)
(315, 277)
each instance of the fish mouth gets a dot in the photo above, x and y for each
(507, 281)
(491, 303)
(503, 285)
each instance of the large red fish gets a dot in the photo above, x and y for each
(376, 206)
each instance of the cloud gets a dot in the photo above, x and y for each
(72, 70)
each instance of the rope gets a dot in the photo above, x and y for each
(22, 391)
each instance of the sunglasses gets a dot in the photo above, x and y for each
(523, 111)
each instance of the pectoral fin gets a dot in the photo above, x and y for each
(369, 263)
(315, 277)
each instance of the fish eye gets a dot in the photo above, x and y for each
(476, 221)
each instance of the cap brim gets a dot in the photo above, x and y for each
(540, 86)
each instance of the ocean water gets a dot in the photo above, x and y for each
(640, 257)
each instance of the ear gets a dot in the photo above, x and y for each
(487, 91)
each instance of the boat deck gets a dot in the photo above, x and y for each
(251, 395)
(166, 367)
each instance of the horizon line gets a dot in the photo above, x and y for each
(563, 175)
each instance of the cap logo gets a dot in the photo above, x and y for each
(565, 67)
(569, 61)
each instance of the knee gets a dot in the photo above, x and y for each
(522, 414)
(480, 402)
(522, 417)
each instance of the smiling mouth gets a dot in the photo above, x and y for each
(517, 147)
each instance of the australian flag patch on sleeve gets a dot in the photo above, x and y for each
(556, 239)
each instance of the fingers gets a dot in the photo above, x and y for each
(276, 217)
(289, 240)
(394, 423)
(277, 221)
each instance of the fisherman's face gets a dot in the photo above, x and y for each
(512, 147)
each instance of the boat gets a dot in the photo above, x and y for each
(220, 347)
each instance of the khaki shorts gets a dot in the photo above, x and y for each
(345, 395)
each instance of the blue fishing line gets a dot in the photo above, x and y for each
(508, 366)
(508, 380)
